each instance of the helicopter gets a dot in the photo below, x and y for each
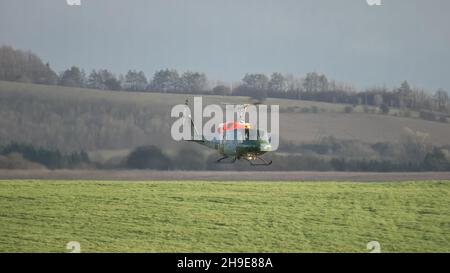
(233, 141)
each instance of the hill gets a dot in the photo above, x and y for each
(110, 123)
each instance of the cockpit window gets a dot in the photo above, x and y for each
(252, 134)
(263, 135)
(244, 134)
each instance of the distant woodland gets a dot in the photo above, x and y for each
(25, 66)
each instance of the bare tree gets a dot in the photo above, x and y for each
(442, 99)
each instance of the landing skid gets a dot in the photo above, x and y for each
(252, 162)
(264, 162)
(226, 162)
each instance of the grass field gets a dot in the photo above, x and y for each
(196, 216)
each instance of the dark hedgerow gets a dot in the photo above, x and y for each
(52, 159)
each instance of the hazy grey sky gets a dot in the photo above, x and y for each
(347, 40)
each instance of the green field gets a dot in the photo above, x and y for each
(196, 216)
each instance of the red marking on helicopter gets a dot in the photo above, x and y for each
(233, 125)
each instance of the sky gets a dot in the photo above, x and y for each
(347, 40)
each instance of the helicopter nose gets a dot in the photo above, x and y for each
(265, 147)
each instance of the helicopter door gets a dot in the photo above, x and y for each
(229, 147)
(230, 143)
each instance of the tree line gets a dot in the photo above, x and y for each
(413, 153)
(19, 155)
(25, 156)
(151, 157)
(23, 66)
